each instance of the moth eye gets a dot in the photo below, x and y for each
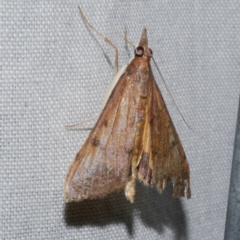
(151, 51)
(139, 51)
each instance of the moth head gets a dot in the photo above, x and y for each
(143, 50)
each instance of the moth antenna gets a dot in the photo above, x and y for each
(172, 97)
(126, 39)
(80, 123)
(104, 38)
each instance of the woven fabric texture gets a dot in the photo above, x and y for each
(55, 71)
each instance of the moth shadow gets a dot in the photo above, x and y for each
(113, 209)
(128, 50)
(161, 210)
(155, 210)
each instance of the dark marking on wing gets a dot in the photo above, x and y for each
(95, 142)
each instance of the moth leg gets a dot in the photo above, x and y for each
(126, 39)
(130, 187)
(80, 123)
(104, 38)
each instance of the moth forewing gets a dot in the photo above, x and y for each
(134, 138)
(112, 85)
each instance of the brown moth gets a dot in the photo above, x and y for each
(134, 138)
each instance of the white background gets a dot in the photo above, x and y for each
(55, 71)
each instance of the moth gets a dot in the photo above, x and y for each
(133, 139)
